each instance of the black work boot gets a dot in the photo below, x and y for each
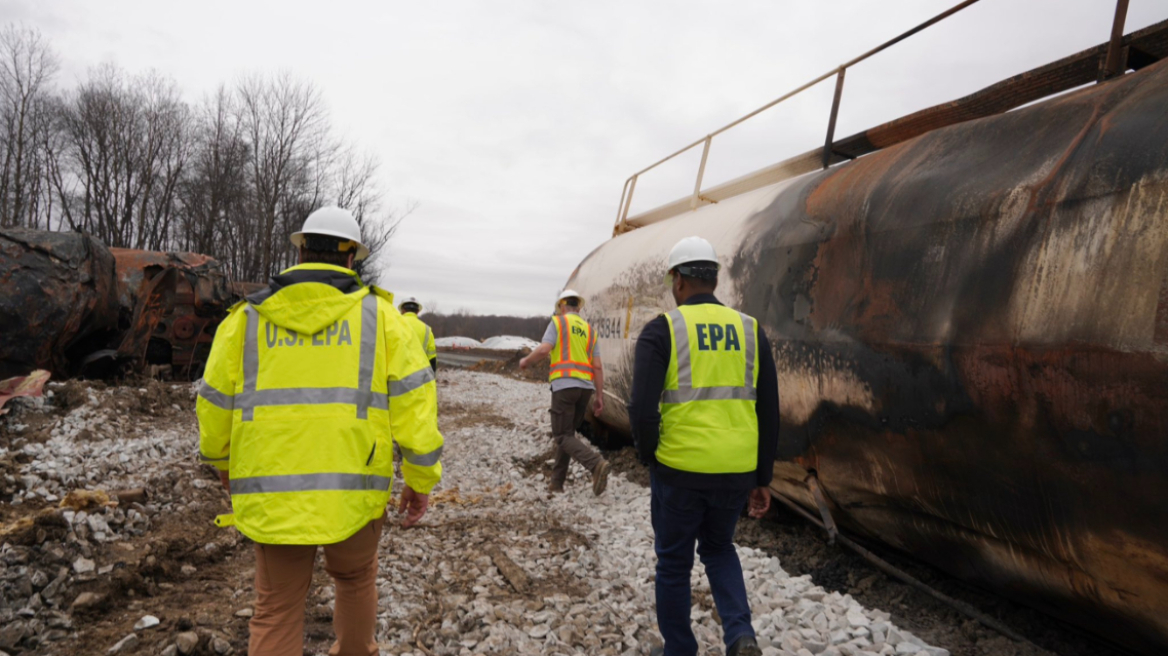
(744, 646)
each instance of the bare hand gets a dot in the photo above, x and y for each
(760, 502)
(414, 504)
(225, 480)
(597, 405)
(523, 363)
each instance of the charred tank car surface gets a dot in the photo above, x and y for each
(58, 299)
(71, 305)
(971, 332)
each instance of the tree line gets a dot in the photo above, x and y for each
(126, 159)
(480, 327)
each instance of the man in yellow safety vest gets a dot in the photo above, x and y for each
(308, 385)
(705, 417)
(409, 309)
(576, 375)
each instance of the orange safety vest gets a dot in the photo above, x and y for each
(572, 355)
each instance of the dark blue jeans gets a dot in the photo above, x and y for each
(682, 517)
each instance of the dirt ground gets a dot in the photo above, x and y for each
(197, 579)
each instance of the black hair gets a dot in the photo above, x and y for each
(572, 301)
(324, 249)
(410, 307)
(703, 275)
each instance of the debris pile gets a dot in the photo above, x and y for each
(103, 507)
(71, 305)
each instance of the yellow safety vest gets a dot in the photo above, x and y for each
(425, 335)
(296, 404)
(572, 355)
(708, 420)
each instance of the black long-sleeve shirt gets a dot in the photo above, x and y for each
(654, 348)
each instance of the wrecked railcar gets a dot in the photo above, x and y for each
(971, 333)
(58, 300)
(71, 305)
(170, 304)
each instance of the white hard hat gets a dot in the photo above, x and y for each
(692, 249)
(410, 300)
(334, 222)
(570, 293)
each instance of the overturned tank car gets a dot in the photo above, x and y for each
(71, 305)
(970, 324)
(58, 300)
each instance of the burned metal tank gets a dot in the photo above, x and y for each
(971, 334)
(58, 299)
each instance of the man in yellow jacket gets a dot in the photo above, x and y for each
(308, 385)
(409, 309)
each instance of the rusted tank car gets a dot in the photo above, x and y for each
(71, 305)
(58, 299)
(971, 332)
(170, 306)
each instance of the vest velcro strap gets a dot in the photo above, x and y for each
(421, 459)
(709, 394)
(411, 382)
(309, 483)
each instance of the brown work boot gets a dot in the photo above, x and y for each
(600, 477)
(555, 487)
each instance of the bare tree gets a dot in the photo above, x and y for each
(121, 156)
(215, 190)
(27, 68)
(358, 191)
(286, 126)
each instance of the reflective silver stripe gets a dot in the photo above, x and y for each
(368, 353)
(411, 382)
(308, 483)
(748, 328)
(709, 394)
(251, 356)
(310, 396)
(362, 397)
(565, 338)
(421, 459)
(206, 459)
(686, 392)
(571, 365)
(215, 397)
(681, 344)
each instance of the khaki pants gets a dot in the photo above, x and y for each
(568, 408)
(283, 575)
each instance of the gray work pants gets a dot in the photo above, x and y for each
(568, 407)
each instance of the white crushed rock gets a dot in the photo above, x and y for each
(590, 560)
(605, 604)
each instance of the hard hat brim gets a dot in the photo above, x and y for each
(297, 240)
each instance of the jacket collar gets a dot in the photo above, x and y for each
(344, 280)
(702, 299)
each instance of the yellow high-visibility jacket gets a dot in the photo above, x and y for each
(425, 335)
(307, 385)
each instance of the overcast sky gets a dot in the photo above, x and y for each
(513, 125)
